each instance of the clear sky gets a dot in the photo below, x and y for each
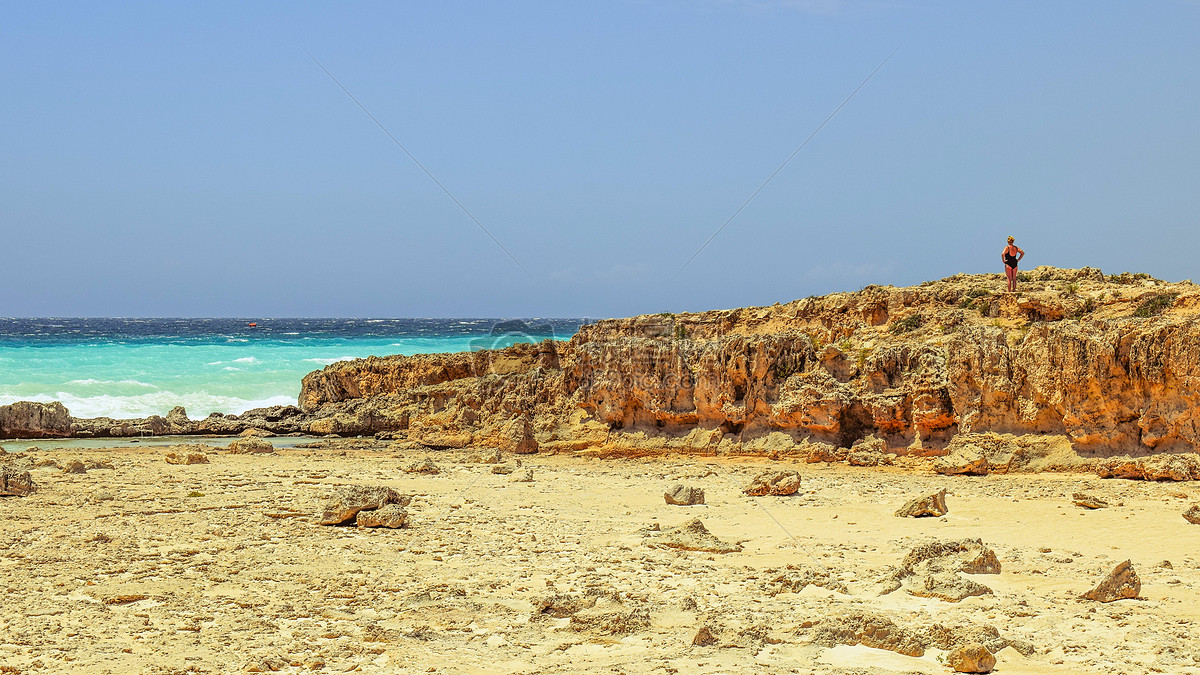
(189, 159)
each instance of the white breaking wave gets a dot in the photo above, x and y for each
(326, 362)
(197, 404)
(246, 359)
(135, 383)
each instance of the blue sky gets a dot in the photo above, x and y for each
(164, 159)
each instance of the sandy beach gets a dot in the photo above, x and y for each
(137, 565)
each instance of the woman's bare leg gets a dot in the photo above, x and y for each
(1011, 273)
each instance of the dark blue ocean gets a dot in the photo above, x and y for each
(140, 367)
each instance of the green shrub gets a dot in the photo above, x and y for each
(1154, 305)
(681, 332)
(908, 323)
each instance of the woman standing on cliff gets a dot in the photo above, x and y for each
(1012, 255)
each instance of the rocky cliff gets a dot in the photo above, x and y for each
(1112, 363)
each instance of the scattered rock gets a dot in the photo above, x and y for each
(971, 658)
(704, 637)
(693, 536)
(523, 476)
(610, 615)
(14, 482)
(794, 579)
(931, 570)
(250, 445)
(683, 495)
(348, 501)
(774, 483)
(74, 466)
(486, 457)
(869, 630)
(424, 466)
(946, 586)
(188, 458)
(1120, 584)
(930, 505)
(1192, 515)
(503, 469)
(388, 515)
(869, 458)
(1088, 501)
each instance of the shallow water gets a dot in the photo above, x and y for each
(139, 367)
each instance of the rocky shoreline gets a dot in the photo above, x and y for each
(1108, 364)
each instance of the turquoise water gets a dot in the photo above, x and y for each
(140, 367)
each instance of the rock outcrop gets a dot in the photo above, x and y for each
(25, 419)
(1076, 364)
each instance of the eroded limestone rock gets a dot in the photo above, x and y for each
(1120, 584)
(693, 536)
(684, 495)
(389, 515)
(971, 658)
(250, 445)
(348, 501)
(774, 483)
(932, 505)
(867, 629)
(15, 482)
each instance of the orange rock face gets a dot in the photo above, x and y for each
(1075, 354)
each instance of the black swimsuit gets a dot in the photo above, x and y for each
(1010, 259)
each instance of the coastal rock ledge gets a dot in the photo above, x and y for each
(1099, 365)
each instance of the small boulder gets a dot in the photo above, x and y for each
(965, 460)
(693, 536)
(186, 458)
(518, 437)
(389, 515)
(15, 483)
(1192, 515)
(74, 466)
(774, 483)
(1088, 501)
(523, 476)
(684, 495)
(503, 469)
(930, 505)
(1120, 584)
(971, 658)
(704, 637)
(250, 445)
(348, 501)
(424, 466)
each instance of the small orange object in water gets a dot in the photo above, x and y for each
(253, 325)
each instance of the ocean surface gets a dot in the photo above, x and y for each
(140, 367)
